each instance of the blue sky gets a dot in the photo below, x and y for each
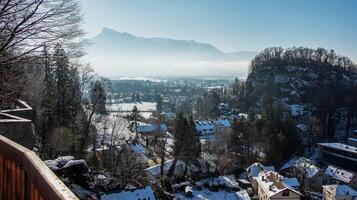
(233, 25)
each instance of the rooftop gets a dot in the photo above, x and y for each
(155, 170)
(307, 166)
(340, 146)
(272, 183)
(243, 195)
(340, 190)
(339, 174)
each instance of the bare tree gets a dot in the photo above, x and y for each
(26, 25)
(129, 169)
(118, 128)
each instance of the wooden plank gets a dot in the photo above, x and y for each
(13, 180)
(1, 174)
(32, 192)
(4, 178)
(18, 183)
(35, 193)
(23, 175)
(8, 169)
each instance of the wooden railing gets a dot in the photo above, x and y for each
(23, 175)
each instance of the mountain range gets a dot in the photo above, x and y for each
(114, 53)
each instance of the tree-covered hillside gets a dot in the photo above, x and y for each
(323, 83)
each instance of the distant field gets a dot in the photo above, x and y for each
(142, 106)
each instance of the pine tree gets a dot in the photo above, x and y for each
(159, 103)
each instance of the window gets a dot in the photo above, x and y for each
(285, 193)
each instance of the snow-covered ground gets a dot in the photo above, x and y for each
(207, 194)
(142, 106)
(113, 126)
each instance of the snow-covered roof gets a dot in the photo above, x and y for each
(288, 164)
(340, 146)
(155, 170)
(147, 128)
(140, 193)
(229, 181)
(211, 124)
(254, 169)
(243, 195)
(272, 184)
(340, 190)
(339, 174)
(204, 125)
(307, 166)
(137, 148)
(292, 182)
(223, 122)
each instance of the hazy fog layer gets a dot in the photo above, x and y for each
(113, 53)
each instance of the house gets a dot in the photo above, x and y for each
(223, 107)
(254, 171)
(154, 172)
(338, 154)
(150, 129)
(243, 195)
(132, 194)
(271, 186)
(204, 128)
(209, 128)
(337, 175)
(338, 192)
(309, 175)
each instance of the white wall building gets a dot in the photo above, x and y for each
(338, 192)
(209, 128)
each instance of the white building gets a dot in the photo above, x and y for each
(209, 128)
(338, 192)
(144, 128)
(254, 171)
(271, 186)
(341, 175)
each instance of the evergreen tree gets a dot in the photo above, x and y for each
(98, 97)
(159, 104)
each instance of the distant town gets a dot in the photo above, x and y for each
(147, 115)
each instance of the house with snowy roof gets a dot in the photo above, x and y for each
(338, 154)
(243, 195)
(271, 186)
(146, 129)
(309, 175)
(337, 175)
(255, 170)
(339, 192)
(208, 128)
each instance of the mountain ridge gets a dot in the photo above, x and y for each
(114, 50)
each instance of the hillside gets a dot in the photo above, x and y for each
(122, 54)
(316, 82)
